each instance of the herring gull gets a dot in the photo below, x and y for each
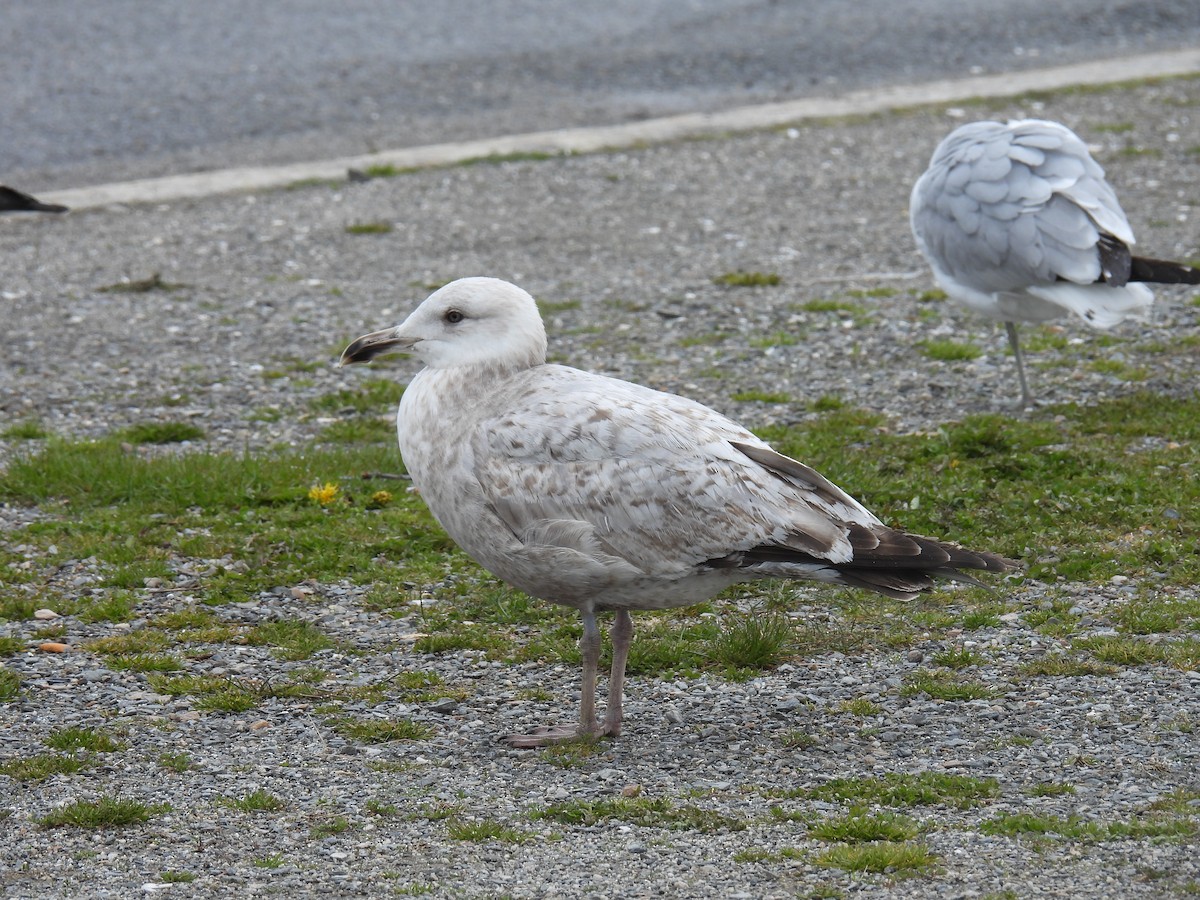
(12, 200)
(604, 495)
(1018, 223)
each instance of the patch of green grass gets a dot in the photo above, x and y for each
(860, 826)
(873, 293)
(10, 646)
(140, 641)
(382, 731)
(144, 662)
(756, 396)
(1059, 665)
(550, 307)
(413, 889)
(273, 861)
(1007, 484)
(42, 765)
(128, 510)
(28, 430)
(256, 801)
(759, 854)
(373, 395)
(957, 658)
(1121, 650)
(646, 812)
(174, 877)
(140, 286)
(115, 607)
(106, 812)
(934, 295)
(330, 827)
(368, 228)
(983, 617)
(1118, 369)
(700, 340)
(10, 685)
(1157, 615)
(860, 706)
(747, 279)
(161, 433)
(494, 159)
(80, 738)
(795, 739)
(898, 859)
(944, 686)
(359, 431)
(290, 639)
(827, 305)
(827, 403)
(483, 830)
(901, 789)
(777, 339)
(756, 640)
(572, 754)
(176, 762)
(950, 351)
(1076, 828)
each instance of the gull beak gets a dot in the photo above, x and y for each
(369, 346)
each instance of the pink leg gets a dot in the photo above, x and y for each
(589, 647)
(622, 636)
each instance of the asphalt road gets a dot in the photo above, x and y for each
(103, 90)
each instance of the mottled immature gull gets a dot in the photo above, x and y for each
(12, 200)
(1019, 224)
(604, 495)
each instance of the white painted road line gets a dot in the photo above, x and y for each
(615, 137)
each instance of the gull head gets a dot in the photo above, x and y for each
(470, 322)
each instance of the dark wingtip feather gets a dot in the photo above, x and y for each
(1162, 271)
(12, 200)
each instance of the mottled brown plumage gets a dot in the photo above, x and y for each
(601, 494)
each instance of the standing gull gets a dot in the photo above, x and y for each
(12, 200)
(602, 495)
(1018, 223)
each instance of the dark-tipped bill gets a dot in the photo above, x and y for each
(369, 346)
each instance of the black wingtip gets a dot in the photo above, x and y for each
(12, 200)
(1162, 271)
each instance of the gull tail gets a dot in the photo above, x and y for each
(885, 561)
(1100, 305)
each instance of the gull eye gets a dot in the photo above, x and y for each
(453, 316)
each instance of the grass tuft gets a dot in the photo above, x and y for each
(79, 738)
(747, 279)
(161, 433)
(860, 826)
(883, 857)
(106, 812)
(382, 731)
(950, 351)
(753, 641)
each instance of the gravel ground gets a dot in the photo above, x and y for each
(635, 237)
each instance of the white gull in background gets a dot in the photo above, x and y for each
(604, 495)
(1018, 223)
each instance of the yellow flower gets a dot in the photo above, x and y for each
(323, 494)
(380, 498)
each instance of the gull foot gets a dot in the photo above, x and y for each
(545, 735)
